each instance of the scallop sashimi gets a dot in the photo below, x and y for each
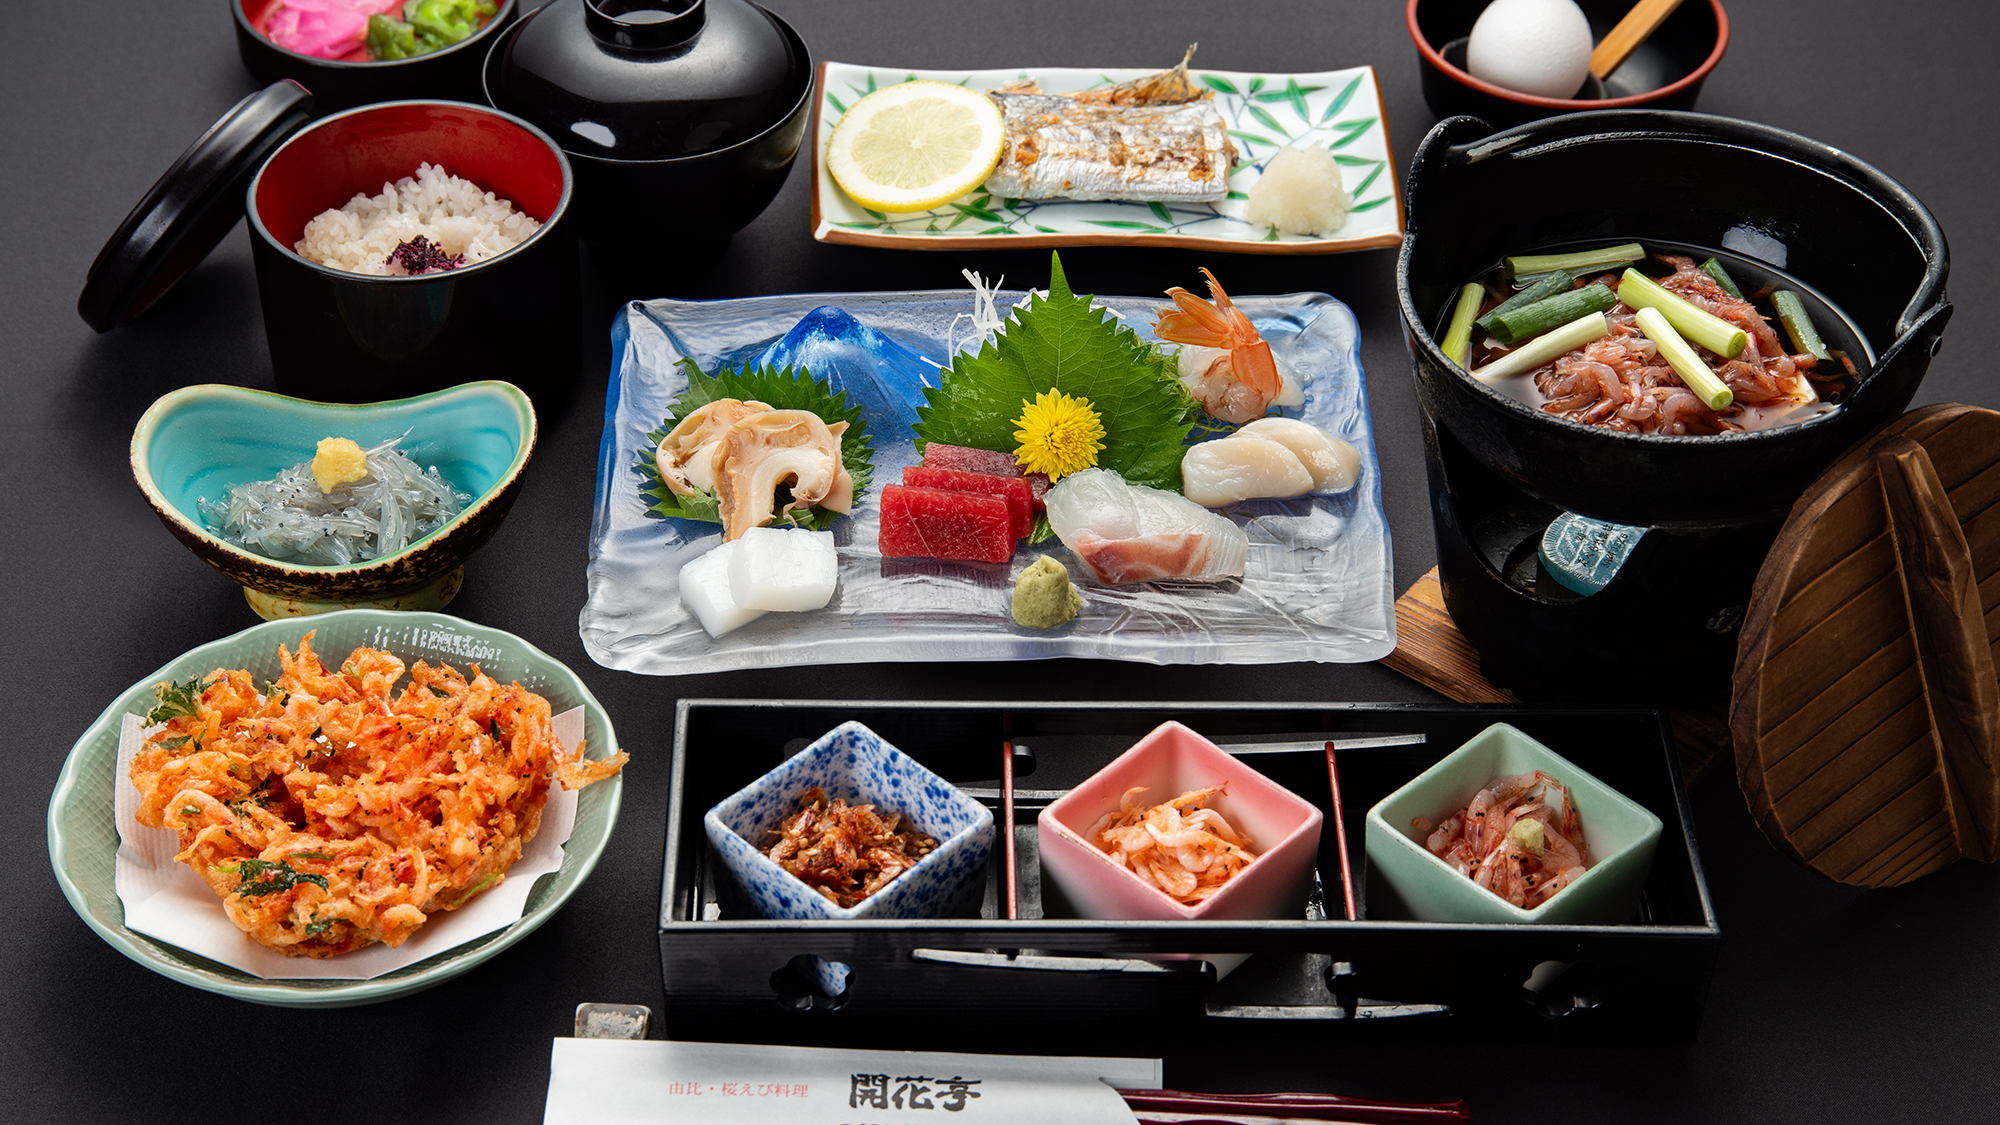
(1333, 463)
(1128, 533)
(1230, 469)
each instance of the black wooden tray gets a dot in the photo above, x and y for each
(1053, 981)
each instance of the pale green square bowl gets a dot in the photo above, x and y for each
(83, 838)
(1620, 836)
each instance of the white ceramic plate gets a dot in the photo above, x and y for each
(1336, 109)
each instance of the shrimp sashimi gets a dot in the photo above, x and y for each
(1519, 837)
(1224, 363)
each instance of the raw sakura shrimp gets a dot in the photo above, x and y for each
(1224, 363)
(1513, 842)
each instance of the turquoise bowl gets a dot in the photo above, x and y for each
(197, 441)
(83, 837)
(1620, 834)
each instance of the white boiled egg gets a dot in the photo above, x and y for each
(1539, 47)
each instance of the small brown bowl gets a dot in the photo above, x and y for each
(1664, 72)
(197, 441)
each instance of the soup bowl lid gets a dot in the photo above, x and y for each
(190, 208)
(648, 79)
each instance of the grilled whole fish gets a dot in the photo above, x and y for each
(1064, 148)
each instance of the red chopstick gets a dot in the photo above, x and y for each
(1340, 831)
(1184, 1107)
(1007, 823)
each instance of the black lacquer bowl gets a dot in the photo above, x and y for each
(337, 336)
(681, 118)
(451, 73)
(1843, 227)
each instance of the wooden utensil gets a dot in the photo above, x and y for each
(1866, 711)
(1631, 31)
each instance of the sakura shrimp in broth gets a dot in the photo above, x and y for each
(1622, 381)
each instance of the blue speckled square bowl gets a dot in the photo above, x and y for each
(855, 763)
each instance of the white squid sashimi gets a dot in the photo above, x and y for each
(705, 592)
(1128, 533)
(1333, 463)
(1226, 470)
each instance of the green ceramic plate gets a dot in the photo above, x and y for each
(83, 840)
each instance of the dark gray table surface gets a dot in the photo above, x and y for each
(1830, 1003)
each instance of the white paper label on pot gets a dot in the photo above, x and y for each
(168, 901)
(610, 1081)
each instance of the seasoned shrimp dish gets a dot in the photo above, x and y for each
(1224, 363)
(1182, 847)
(1520, 837)
(331, 812)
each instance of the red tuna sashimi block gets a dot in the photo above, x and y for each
(961, 459)
(933, 523)
(1014, 490)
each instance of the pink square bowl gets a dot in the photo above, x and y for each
(1283, 828)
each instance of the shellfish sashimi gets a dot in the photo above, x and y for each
(1334, 464)
(1129, 533)
(1224, 471)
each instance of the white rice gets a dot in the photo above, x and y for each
(449, 211)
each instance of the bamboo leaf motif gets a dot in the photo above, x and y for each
(998, 230)
(1250, 138)
(1160, 209)
(1369, 178)
(1370, 205)
(835, 103)
(1217, 82)
(1340, 100)
(1297, 95)
(1256, 83)
(978, 212)
(1355, 161)
(1125, 224)
(1265, 119)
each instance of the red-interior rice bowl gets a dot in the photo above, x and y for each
(357, 152)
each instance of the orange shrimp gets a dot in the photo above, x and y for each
(1237, 386)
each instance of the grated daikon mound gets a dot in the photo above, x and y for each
(448, 210)
(1300, 192)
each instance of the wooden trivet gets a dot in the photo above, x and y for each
(1431, 651)
(1866, 713)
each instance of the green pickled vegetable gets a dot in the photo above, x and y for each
(426, 26)
(391, 38)
(1511, 328)
(1798, 324)
(1543, 286)
(1521, 265)
(1714, 269)
(1697, 324)
(1458, 338)
(1543, 348)
(1683, 360)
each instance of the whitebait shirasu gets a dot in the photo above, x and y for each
(291, 519)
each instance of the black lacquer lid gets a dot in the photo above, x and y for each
(647, 79)
(190, 208)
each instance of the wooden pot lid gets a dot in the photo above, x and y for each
(1866, 711)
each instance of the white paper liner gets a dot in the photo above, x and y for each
(168, 901)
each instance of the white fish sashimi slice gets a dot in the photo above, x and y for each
(1128, 533)
(1333, 463)
(1226, 470)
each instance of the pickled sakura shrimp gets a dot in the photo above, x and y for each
(1520, 837)
(329, 814)
(1188, 856)
(1223, 362)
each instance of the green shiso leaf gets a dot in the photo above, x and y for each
(1061, 342)
(787, 389)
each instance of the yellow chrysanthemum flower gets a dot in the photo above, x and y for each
(1059, 435)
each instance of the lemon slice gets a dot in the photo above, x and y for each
(915, 145)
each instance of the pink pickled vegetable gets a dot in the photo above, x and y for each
(327, 29)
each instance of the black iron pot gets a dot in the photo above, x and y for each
(1840, 225)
